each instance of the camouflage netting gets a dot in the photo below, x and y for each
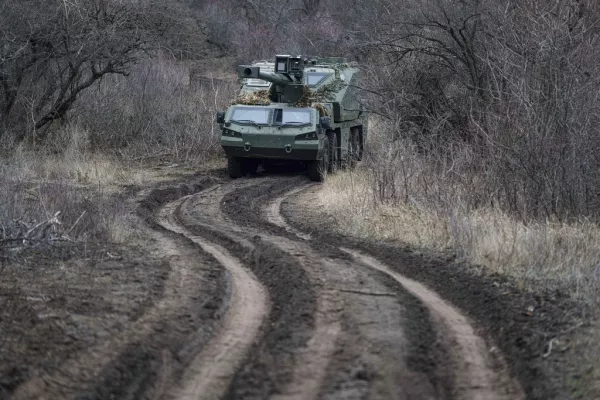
(325, 94)
(310, 98)
(322, 110)
(260, 98)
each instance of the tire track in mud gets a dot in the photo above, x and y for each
(273, 214)
(123, 365)
(358, 324)
(211, 371)
(304, 316)
(271, 362)
(473, 376)
(368, 356)
(323, 322)
(312, 360)
(334, 291)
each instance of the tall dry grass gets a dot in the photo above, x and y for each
(161, 112)
(432, 203)
(87, 213)
(81, 184)
(402, 194)
(163, 108)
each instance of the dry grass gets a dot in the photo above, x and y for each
(548, 253)
(448, 204)
(541, 255)
(115, 135)
(80, 184)
(81, 169)
(163, 108)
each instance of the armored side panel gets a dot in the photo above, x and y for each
(341, 84)
(350, 103)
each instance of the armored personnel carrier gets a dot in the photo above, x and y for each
(295, 109)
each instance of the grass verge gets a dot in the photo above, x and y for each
(552, 254)
(540, 257)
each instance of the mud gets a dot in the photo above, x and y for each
(241, 289)
(290, 320)
(123, 338)
(256, 198)
(495, 302)
(247, 305)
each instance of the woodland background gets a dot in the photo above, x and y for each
(484, 113)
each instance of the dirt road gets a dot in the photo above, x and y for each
(308, 319)
(259, 300)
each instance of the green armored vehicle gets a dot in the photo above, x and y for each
(296, 109)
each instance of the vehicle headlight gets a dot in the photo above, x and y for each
(229, 132)
(307, 136)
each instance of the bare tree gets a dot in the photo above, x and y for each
(53, 50)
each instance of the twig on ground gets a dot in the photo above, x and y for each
(52, 221)
(547, 352)
(76, 222)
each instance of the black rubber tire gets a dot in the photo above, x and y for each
(334, 154)
(317, 170)
(353, 148)
(235, 167)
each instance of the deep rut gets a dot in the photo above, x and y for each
(367, 319)
(472, 371)
(300, 316)
(212, 370)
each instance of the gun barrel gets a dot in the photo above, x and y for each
(275, 78)
(245, 71)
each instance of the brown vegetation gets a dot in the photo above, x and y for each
(484, 116)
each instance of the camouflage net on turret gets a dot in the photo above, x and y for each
(325, 94)
(310, 98)
(260, 98)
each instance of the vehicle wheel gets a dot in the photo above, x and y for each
(334, 154)
(250, 166)
(353, 149)
(318, 169)
(360, 142)
(235, 167)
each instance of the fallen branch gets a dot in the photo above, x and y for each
(76, 222)
(51, 222)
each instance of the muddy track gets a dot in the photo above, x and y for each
(341, 323)
(211, 371)
(259, 304)
(145, 356)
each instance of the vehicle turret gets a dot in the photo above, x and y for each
(287, 77)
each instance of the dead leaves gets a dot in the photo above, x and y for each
(310, 98)
(253, 98)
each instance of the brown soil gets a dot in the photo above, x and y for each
(211, 371)
(500, 309)
(239, 289)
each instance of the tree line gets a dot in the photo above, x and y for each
(512, 84)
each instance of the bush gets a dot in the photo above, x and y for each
(158, 109)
